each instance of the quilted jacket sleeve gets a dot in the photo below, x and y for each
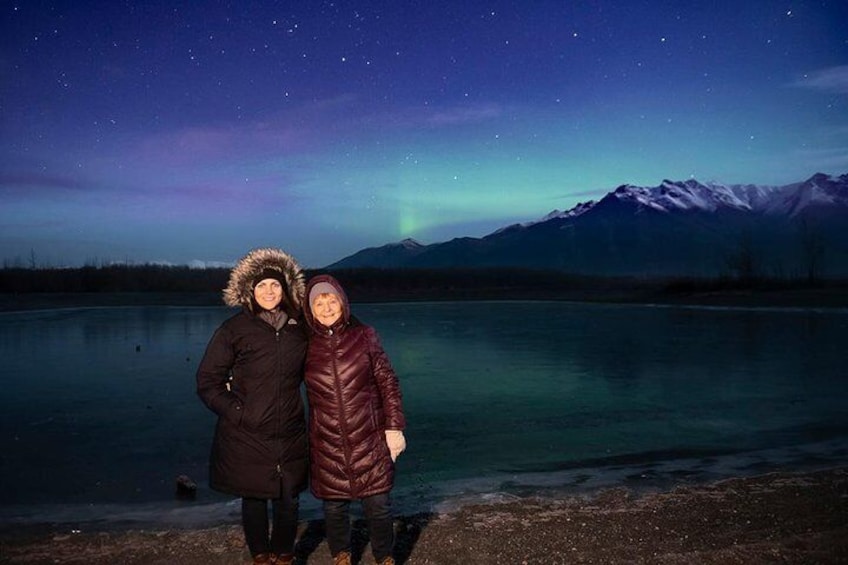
(213, 375)
(387, 383)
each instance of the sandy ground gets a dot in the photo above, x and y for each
(774, 518)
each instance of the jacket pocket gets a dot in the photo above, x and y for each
(234, 411)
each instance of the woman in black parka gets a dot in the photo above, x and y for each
(250, 376)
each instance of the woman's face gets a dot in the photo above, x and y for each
(268, 293)
(327, 309)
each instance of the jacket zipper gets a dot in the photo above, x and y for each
(342, 413)
(279, 396)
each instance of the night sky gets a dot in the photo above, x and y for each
(185, 132)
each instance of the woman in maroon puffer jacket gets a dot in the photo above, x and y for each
(356, 420)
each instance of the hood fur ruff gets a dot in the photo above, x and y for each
(239, 291)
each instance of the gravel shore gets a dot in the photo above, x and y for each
(775, 518)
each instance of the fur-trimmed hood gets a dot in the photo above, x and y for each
(239, 291)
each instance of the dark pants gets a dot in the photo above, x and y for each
(378, 515)
(254, 520)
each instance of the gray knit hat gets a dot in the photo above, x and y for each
(321, 288)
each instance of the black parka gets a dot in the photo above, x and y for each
(250, 376)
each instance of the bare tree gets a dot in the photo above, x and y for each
(742, 261)
(812, 245)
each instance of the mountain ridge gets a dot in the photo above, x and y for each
(675, 228)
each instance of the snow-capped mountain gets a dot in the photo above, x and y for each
(674, 228)
(691, 195)
(554, 214)
(820, 191)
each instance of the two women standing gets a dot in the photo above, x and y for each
(250, 377)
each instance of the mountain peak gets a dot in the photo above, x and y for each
(406, 243)
(688, 195)
(409, 243)
(555, 214)
(820, 190)
(579, 208)
(822, 178)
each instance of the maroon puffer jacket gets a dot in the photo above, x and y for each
(354, 396)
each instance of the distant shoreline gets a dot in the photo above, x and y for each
(150, 285)
(823, 297)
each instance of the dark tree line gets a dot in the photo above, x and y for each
(114, 278)
(361, 284)
(373, 285)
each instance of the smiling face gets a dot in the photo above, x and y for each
(327, 309)
(268, 293)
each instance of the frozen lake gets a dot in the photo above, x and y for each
(99, 412)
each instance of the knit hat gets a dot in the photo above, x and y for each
(269, 273)
(321, 288)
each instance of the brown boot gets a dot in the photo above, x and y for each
(262, 558)
(343, 558)
(283, 559)
(387, 561)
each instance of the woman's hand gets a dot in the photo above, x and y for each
(396, 443)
